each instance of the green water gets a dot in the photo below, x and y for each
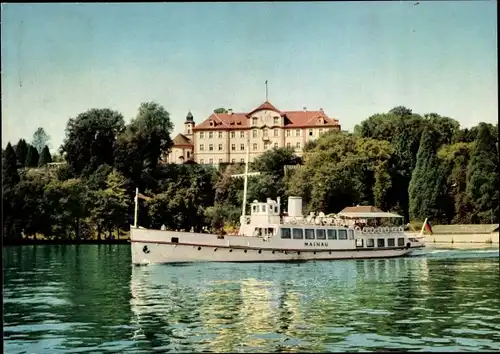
(88, 298)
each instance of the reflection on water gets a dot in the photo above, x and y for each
(64, 298)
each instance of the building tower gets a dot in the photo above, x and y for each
(188, 126)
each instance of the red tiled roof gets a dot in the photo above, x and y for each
(293, 119)
(361, 209)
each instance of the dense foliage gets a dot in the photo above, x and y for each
(419, 166)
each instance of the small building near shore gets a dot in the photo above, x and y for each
(466, 233)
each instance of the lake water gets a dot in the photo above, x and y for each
(88, 298)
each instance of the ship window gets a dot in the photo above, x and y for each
(174, 240)
(359, 242)
(254, 208)
(285, 233)
(309, 234)
(263, 207)
(390, 242)
(276, 209)
(380, 242)
(370, 243)
(320, 234)
(401, 241)
(342, 234)
(298, 234)
(351, 235)
(332, 234)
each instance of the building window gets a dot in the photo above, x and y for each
(254, 146)
(275, 145)
(211, 147)
(289, 145)
(370, 242)
(276, 120)
(211, 161)
(210, 135)
(265, 132)
(220, 161)
(202, 161)
(255, 133)
(332, 234)
(320, 234)
(233, 147)
(188, 154)
(309, 234)
(310, 132)
(288, 132)
(254, 120)
(342, 234)
(220, 135)
(297, 132)
(202, 135)
(276, 132)
(233, 160)
(380, 242)
(297, 234)
(320, 131)
(202, 147)
(242, 146)
(242, 160)
(285, 233)
(242, 134)
(297, 146)
(220, 147)
(233, 134)
(189, 131)
(266, 145)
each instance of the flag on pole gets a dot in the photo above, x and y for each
(428, 227)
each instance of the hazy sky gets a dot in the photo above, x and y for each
(352, 59)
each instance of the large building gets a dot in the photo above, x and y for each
(223, 137)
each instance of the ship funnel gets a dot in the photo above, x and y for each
(295, 206)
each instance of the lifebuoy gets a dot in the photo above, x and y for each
(386, 229)
(400, 229)
(293, 221)
(394, 229)
(372, 230)
(379, 230)
(357, 228)
(365, 230)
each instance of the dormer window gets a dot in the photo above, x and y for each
(276, 120)
(211, 123)
(320, 120)
(255, 120)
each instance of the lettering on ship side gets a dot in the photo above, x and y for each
(320, 244)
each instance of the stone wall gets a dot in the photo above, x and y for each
(461, 238)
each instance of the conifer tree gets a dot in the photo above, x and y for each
(32, 157)
(21, 152)
(428, 182)
(482, 176)
(10, 176)
(45, 157)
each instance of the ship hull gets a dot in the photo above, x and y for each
(156, 247)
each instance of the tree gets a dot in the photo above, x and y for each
(427, 186)
(483, 176)
(45, 157)
(90, 139)
(145, 139)
(10, 176)
(32, 157)
(21, 152)
(220, 110)
(40, 139)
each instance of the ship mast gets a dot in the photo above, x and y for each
(245, 183)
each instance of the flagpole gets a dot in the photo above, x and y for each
(136, 206)
(423, 227)
(245, 184)
(266, 91)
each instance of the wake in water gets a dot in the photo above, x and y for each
(458, 253)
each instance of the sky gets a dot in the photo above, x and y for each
(353, 59)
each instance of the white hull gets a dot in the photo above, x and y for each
(154, 246)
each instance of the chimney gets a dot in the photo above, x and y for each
(230, 111)
(305, 108)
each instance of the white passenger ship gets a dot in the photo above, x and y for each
(267, 235)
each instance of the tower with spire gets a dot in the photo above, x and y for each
(188, 126)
